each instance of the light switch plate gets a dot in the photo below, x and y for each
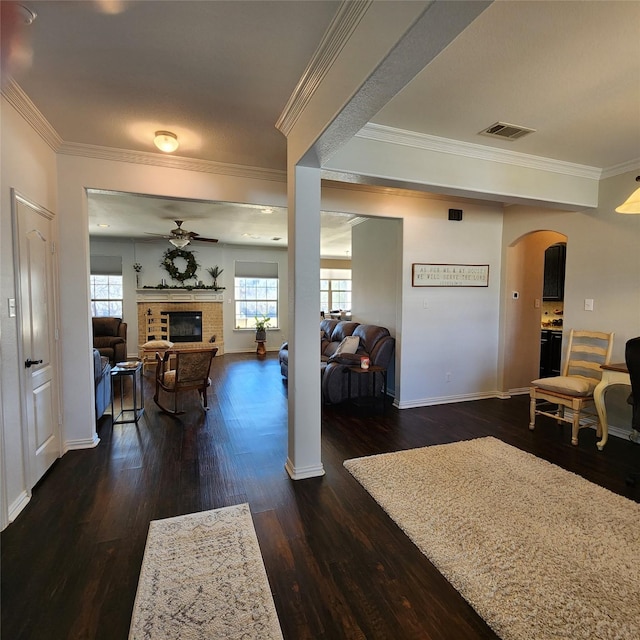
(588, 304)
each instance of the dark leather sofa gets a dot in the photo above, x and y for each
(374, 341)
(102, 382)
(110, 338)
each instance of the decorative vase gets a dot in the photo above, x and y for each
(261, 335)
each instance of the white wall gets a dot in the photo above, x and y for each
(603, 263)
(376, 264)
(28, 164)
(603, 260)
(449, 338)
(376, 278)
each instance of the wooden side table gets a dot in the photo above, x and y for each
(261, 351)
(611, 374)
(361, 374)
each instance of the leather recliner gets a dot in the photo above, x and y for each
(374, 341)
(110, 338)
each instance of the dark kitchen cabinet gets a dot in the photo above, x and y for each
(554, 263)
(550, 353)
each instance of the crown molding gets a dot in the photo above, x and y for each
(337, 35)
(383, 133)
(625, 167)
(171, 162)
(21, 102)
(28, 110)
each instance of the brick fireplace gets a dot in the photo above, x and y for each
(158, 304)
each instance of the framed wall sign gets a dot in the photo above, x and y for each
(449, 275)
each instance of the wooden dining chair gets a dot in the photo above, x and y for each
(191, 372)
(573, 390)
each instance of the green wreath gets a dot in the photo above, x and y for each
(174, 273)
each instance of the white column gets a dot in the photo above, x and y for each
(304, 457)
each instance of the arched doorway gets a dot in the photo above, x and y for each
(524, 308)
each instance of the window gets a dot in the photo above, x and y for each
(106, 295)
(335, 293)
(256, 293)
(256, 297)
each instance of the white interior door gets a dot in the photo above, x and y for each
(35, 269)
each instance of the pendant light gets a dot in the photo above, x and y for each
(632, 203)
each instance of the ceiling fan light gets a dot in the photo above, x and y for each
(166, 141)
(632, 203)
(180, 243)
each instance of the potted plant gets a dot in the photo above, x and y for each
(215, 272)
(261, 328)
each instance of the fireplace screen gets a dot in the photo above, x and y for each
(184, 326)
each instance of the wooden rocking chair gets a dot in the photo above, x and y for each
(191, 372)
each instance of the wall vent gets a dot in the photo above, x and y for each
(506, 131)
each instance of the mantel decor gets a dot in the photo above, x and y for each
(215, 272)
(137, 267)
(168, 263)
(449, 275)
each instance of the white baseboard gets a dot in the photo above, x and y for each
(18, 505)
(83, 443)
(427, 402)
(301, 473)
(518, 392)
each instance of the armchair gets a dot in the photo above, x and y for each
(110, 338)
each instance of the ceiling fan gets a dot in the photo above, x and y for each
(180, 237)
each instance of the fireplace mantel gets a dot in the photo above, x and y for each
(178, 295)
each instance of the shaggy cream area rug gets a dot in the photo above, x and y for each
(203, 577)
(539, 552)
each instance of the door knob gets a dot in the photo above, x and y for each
(29, 362)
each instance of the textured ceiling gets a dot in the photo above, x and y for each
(569, 70)
(219, 73)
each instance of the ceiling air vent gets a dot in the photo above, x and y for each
(506, 131)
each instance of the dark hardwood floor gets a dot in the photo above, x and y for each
(337, 565)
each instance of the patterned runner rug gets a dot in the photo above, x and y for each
(539, 552)
(203, 577)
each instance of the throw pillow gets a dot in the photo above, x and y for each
(158, 344)
(348, 345)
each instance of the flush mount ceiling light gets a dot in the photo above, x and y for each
(26, 15)
(632, 203)
(166, 141)
(181, 243)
